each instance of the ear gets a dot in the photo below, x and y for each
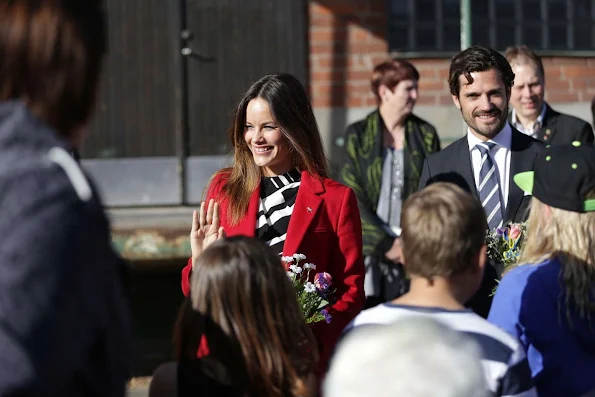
(383, 91)
(483, 257)
(455, 99)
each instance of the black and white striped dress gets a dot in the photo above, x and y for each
(277, 198)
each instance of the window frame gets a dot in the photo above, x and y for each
(411, 25)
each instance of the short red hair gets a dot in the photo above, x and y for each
(392, 72)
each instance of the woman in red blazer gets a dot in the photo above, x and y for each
(278, 190)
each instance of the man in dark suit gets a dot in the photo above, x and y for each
(492, 152)
(530, 113)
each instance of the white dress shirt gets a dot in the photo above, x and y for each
(500, 156)
(532, 132)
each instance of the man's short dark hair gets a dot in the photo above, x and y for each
(478, 59)
(51, 56)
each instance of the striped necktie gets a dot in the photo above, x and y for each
(489, 189)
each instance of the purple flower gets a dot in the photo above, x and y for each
(323, 281)
(500, 231)
(327, 316)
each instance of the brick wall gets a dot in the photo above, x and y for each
(348, 37)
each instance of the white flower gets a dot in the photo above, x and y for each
(291, 275)
(287, 259)
(310, 266)
(299, 257)
(309, 287)
(295, 269)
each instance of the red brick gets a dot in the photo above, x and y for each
(561, 96)
(432, 85)
(364, 48)
(317, 9)
(327, 76)
(356, 102)
(445, 99)
(552, 71)
(356, 87)
(442, 73)
(359, 75)
(320, 102)
(427, 74)
(427, 100)
(324, 22)
(557, 84)
(582, 83)
(577, 71)
(567, 61)
(327, 34)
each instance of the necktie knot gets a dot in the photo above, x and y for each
(485, 147)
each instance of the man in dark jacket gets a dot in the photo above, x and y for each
(530, 113)
(64, 315)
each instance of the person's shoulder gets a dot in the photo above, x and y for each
(333, 192)
(525, 270)
(446, 154)
(380, 314)
(218, 180)
(223, 175)
(522, 141)
(42, 180)
(333, 186)
(489, 335)
(358, 127)
(569, 120)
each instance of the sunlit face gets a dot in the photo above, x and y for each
(527, 92)
(483, 103)
(402, 98)
(263, 135)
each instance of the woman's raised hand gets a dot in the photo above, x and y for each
(206, 228)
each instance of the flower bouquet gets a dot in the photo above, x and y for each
(313, 297)
(505, 244)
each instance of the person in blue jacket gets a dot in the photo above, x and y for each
(65, 323)
(548, 301)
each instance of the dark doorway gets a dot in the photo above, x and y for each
(174, 73)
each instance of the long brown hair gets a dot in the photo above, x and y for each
(570, 236)
(292, 111)
(246, 309)
(52, 53)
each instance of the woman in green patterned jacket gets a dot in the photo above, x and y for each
(385, 155)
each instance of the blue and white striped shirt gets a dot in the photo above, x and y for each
(504, 361)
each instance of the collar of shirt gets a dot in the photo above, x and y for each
(500, 154)
(528, 131)
(503, 139)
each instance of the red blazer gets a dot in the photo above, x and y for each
(325, 226)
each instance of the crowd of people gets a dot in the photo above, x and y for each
(402, 233)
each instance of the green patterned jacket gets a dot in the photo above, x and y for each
(362, 170)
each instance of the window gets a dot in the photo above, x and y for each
(544, 25)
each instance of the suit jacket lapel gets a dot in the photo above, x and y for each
(520, 161)
(464, 167)
(307, 205)
(547, 131)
